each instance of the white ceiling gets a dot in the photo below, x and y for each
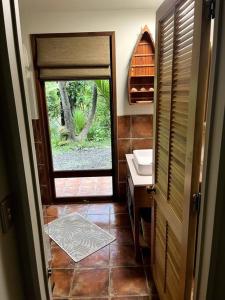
(68, 5)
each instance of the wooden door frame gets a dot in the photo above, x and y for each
(211, 240)
(42, 107)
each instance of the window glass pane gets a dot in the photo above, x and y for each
(79, 124)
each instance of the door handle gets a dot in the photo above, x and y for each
(151, 189)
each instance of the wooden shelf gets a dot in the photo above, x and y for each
(143, 54)
(138, 66)
(142, 102)
(142, 99)
(141, 69)
(142, 76)
(136, 92)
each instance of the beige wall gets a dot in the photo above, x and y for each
(127, 25)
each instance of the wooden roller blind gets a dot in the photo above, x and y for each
(57, 74)
(72, 57)
(93, 51)
(182, 57)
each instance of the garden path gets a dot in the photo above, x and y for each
(83, 159)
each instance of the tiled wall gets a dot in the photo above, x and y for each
(134, 132)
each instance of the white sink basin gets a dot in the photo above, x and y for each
(143, 161)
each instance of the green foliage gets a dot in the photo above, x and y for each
(54, 131)
(53, 99)
(79, 120)
(80, 95)
(103, 89)
(97, 133)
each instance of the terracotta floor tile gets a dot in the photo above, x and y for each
(99, 209)
(100, 220)
(79, 208)
(98, 259)
(62, 279)
(88, 298)
(90, 283)
(118, 208)
(128, 281)
(89, 279)
(55, 210)
(132, 298)
(123, 235)
(60, 259)
(44, 210)
(49, 219)
(122, 255)
(119, 220)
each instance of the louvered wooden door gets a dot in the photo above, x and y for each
(182, 44)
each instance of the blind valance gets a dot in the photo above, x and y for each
(93, 51)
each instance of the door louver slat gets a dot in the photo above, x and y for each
(176, 44)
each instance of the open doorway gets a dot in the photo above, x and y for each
(76, 132)
(79, 118)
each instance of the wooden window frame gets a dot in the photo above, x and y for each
(42, 108)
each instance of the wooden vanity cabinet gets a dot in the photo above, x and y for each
(137, 198)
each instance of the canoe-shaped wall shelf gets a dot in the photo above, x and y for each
(142, 70)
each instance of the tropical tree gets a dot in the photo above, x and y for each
(83, 134)
(67, 112)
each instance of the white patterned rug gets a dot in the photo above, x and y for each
(77, 236)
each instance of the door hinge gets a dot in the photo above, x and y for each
(49, 272)
(211, 4)
(197, 202)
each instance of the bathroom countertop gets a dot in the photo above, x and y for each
(138, 180)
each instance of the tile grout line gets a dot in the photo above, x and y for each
(71, 283)
(109, 289)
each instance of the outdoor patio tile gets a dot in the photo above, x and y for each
(90, 283)
(85, 186)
